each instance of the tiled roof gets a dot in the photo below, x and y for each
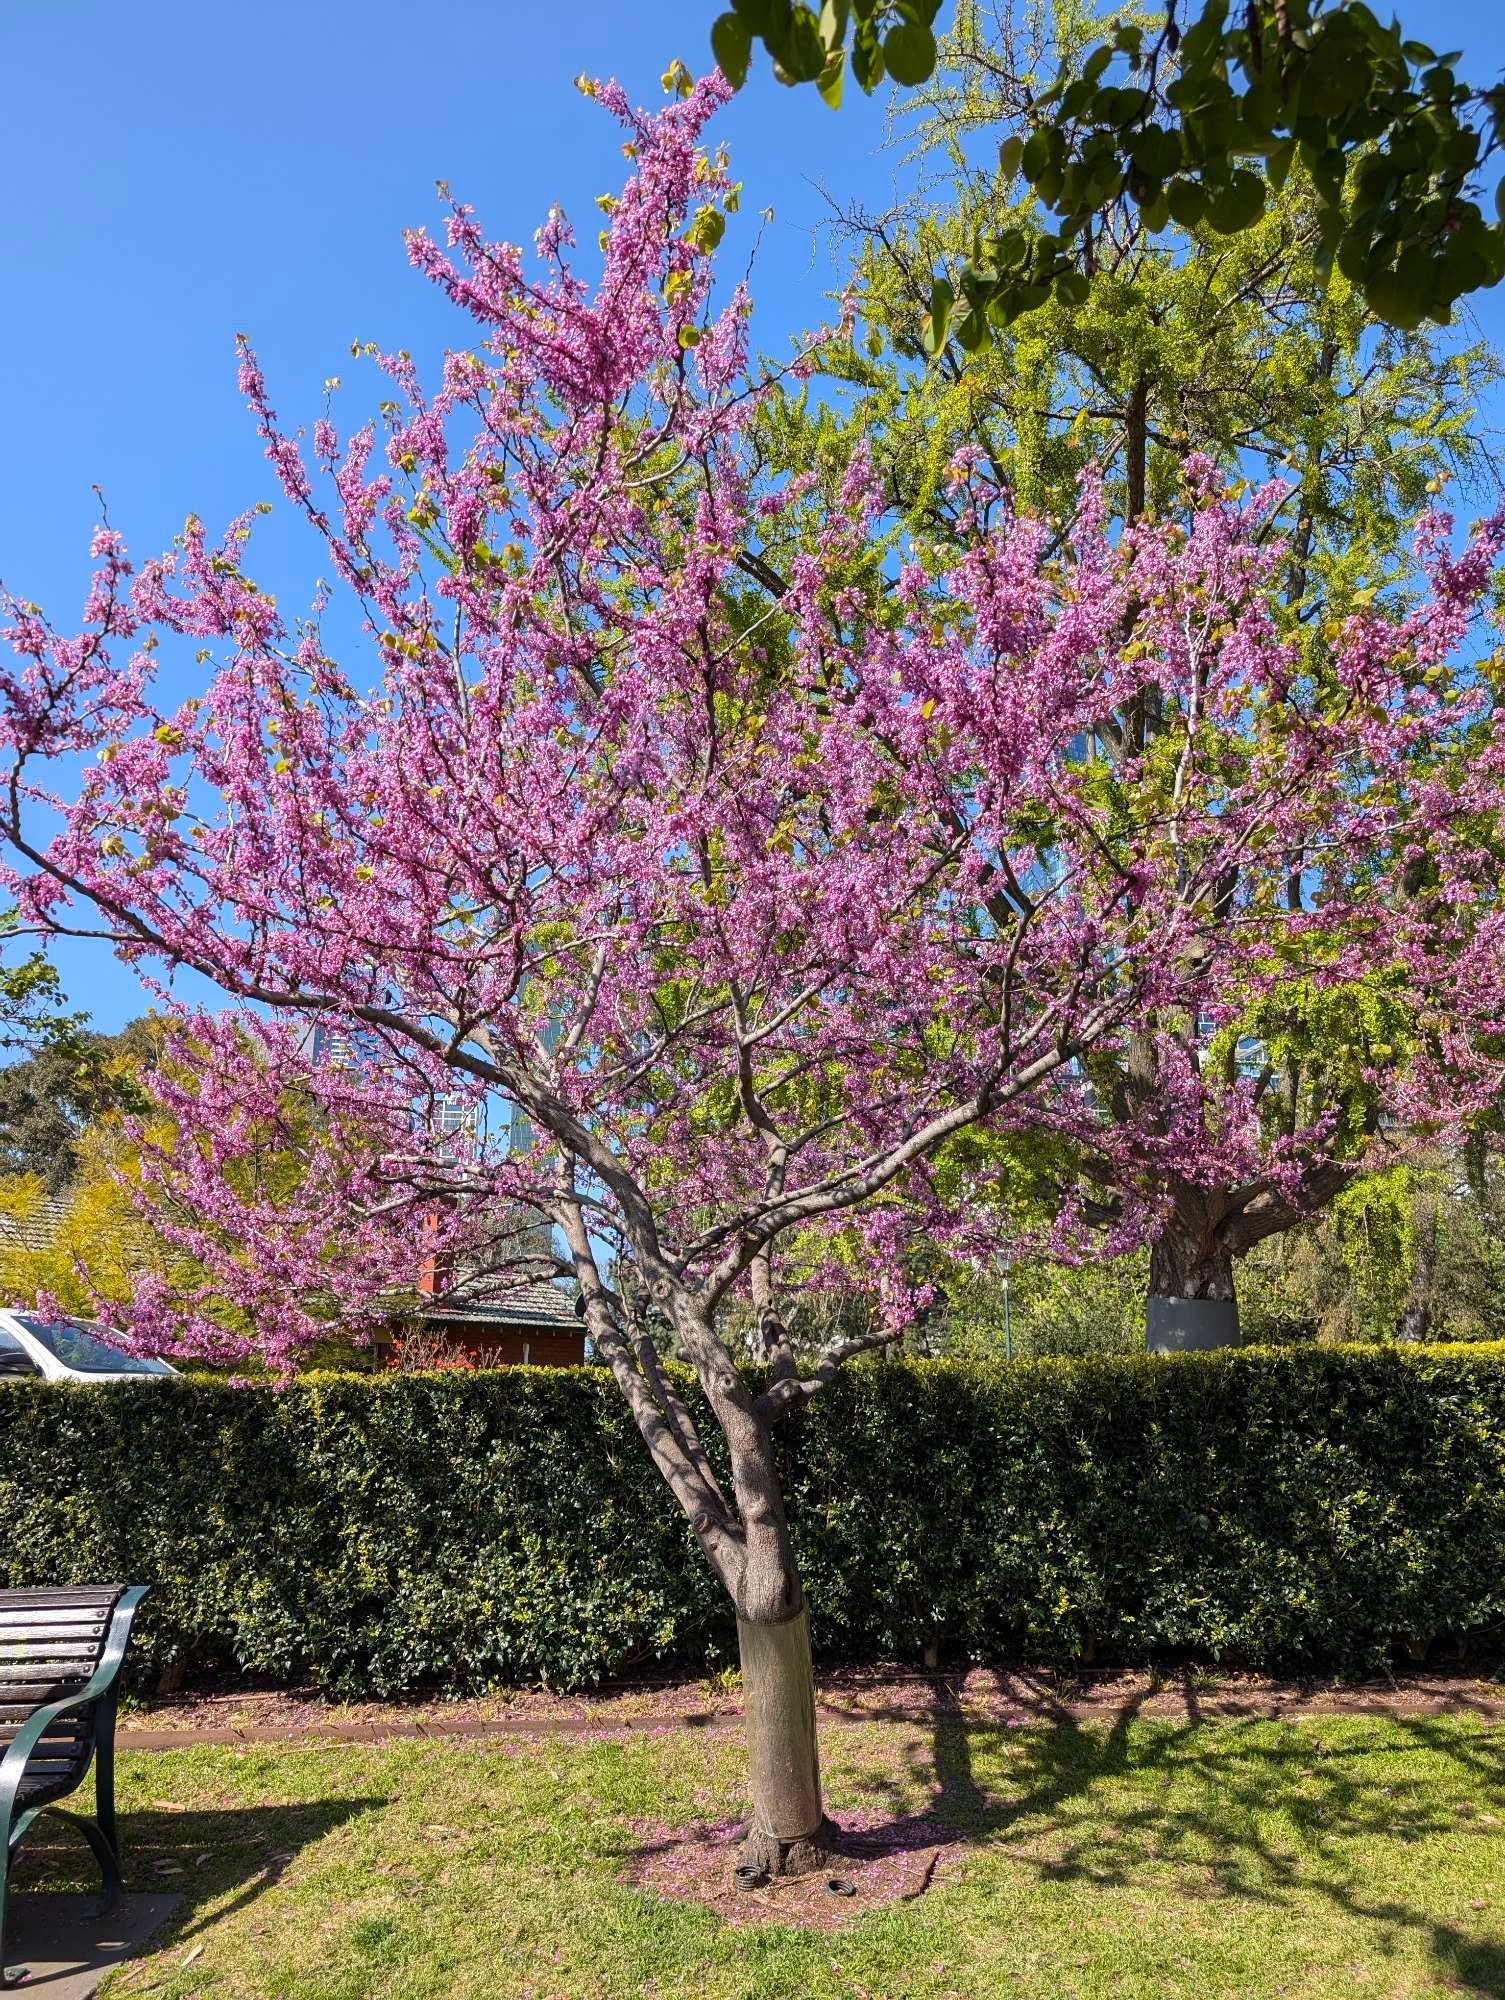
(539, 1305)
(37, 1230)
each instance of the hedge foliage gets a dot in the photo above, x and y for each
(1277, 1508)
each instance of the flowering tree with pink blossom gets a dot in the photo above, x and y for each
(747, 859)
(1213, 1128)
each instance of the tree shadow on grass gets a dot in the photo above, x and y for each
(1260, 1813)
(218, 1861)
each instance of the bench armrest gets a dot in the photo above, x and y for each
(99, 1683)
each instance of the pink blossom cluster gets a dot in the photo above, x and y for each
(749, 868)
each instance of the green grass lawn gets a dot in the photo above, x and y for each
(1335, 1857)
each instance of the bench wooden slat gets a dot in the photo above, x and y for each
(44, 1667)
(77, 1639)
(21, 1675)
(54, 1635)
(60, 1615)
(99, 1600)
(26, 1673)
(38, 1646)
(85, 1609)
(65, 1595)
(56, 1621)
(70, 1646)
(50, 1673)
(70, 1659)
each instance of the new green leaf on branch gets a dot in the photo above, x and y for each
(1198, 121)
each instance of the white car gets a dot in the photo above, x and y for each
(66, 1350)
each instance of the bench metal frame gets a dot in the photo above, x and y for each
(101, 1694)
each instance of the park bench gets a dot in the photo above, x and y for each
(60, 1659)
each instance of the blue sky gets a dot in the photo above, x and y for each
(176, 172)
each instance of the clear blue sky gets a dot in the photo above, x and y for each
(177, 171)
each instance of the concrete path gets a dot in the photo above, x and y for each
(66, 1949)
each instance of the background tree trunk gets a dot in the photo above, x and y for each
(1193, 1302)
(1416, 1315)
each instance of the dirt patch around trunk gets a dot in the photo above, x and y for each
(877, 1861)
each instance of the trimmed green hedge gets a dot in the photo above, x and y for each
(1277, 1508)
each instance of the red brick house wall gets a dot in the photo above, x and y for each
(523, 1347)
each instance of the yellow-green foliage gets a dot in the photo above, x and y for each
(100, 1244)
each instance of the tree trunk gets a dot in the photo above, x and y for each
(1416, 1315)
(789, 1834)
(747, 1545)
(1192, 1301)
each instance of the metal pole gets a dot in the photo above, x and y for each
(1008, 1331)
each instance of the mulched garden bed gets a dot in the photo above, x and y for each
(879, 1861)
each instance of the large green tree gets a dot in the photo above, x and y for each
(69, 1078)
(1247, 350)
